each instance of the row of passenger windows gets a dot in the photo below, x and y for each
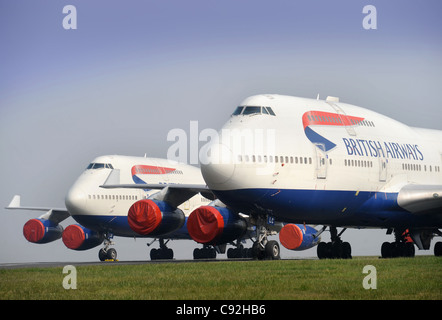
(275, 159)
(112, 197)
(419, 167)
(249, 110)
(308, 160)
(358, 163)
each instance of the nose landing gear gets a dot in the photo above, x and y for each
(264, 249)
(106, 253)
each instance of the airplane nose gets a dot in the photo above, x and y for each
(75, 201)
(219, 165)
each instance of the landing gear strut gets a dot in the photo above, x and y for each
(336, 249)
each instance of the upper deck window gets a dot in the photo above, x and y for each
(252, 110)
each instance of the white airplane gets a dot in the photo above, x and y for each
(128, 212)
(322, 162)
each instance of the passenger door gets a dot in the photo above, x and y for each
(321, 161)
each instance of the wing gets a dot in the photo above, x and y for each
(54, 214)
(421, 199)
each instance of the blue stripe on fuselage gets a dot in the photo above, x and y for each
(331, 207)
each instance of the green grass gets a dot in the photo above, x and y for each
(402, 278)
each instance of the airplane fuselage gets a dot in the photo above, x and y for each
(322, 162)
(105, 210)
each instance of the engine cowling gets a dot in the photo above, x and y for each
(215, 225)
(298, 237)
(77, 237)
(154, 218)
(42, 231)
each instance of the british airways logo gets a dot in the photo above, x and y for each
(144, 169)
(320, 118)
(372, 148)
(355, 147)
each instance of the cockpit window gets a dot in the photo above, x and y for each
(97, 165)
(270, 111)
(237, 111)
(252, 110)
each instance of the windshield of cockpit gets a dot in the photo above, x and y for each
(253, 110)
(96, 165)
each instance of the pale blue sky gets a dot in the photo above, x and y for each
(131, 72)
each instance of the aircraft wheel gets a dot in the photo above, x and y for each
(386, 250)
(102, 254)
(272, 251)
(153, 254)
(322, 250)
(409, 249)
(196, 254)
(169, 254)
(165, 253)
(346, 248)
(438, 249)
(336, 250)
(232, 253)
(204, 253)
(257, 251)
(109, 254)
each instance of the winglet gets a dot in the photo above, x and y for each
(15, 202)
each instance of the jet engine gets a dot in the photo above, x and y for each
(298, 237)
(77, 237)
(154, 218)
(215, 225)
(42, 231)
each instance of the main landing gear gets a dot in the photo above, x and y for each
(403, 245)
(162, 253)
(336, 249)
(206, 252)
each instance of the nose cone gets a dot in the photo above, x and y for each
(219, 165)
(76, 200)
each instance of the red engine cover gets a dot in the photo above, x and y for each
(205, 224)
(34, 230)
(73, 237)
(144, 216)
(291, 236)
